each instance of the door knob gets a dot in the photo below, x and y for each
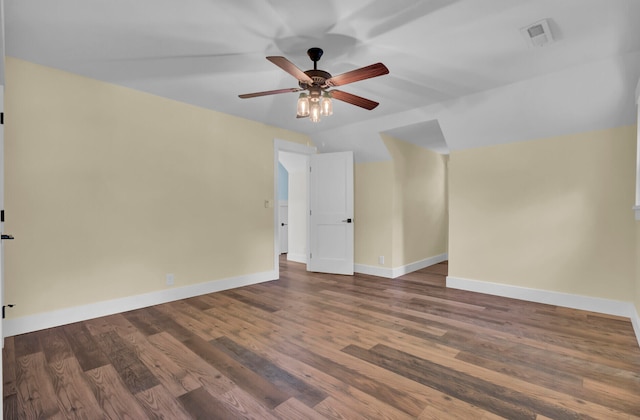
(283, 224)
(346, 221)
(8, 237)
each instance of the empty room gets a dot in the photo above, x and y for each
(282, 209)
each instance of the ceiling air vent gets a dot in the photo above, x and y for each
(538, 34)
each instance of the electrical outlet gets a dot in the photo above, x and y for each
(381, 260)
(170, 279)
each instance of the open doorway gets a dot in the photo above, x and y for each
(294, 158)
(296, 205)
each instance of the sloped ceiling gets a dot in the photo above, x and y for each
(461, 73)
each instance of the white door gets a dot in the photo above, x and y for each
(283, 214)
(331, 213)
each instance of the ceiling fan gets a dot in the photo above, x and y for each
(317, 83)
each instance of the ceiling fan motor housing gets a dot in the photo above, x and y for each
(318, 77)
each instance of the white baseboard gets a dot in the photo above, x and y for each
(635, 321)
(109, 307)
(373, 270)
(299, 258)
(586, 303)
(392, 273)
(418, 265)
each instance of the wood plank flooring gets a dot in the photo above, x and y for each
(314, 346)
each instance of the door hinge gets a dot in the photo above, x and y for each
(1, 215)
(310, 255)
(309, 212)
(1, 117)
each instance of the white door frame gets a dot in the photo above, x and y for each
(282, 146)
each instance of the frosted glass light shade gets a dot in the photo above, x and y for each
(303, 105)
(326, 105)
(315, 112)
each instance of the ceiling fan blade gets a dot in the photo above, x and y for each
(290, 68)
(374, 70)
(268, 92)
(353, 99)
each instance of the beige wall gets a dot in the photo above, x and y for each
(373, 189)
(419, 214)
(637, 278)
(401, 206)
(637, 250)
(551, 214)
(108, 189)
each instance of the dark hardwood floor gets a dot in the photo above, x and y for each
(311, 346)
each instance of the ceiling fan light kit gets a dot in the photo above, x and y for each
(317, 100)
(314, 105)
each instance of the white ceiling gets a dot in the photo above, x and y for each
(461, 73)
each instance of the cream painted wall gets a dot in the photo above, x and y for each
(373, 182)
(420, 219)
(108, 189)
(551, 214)
(637, 278)
(637, 253)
